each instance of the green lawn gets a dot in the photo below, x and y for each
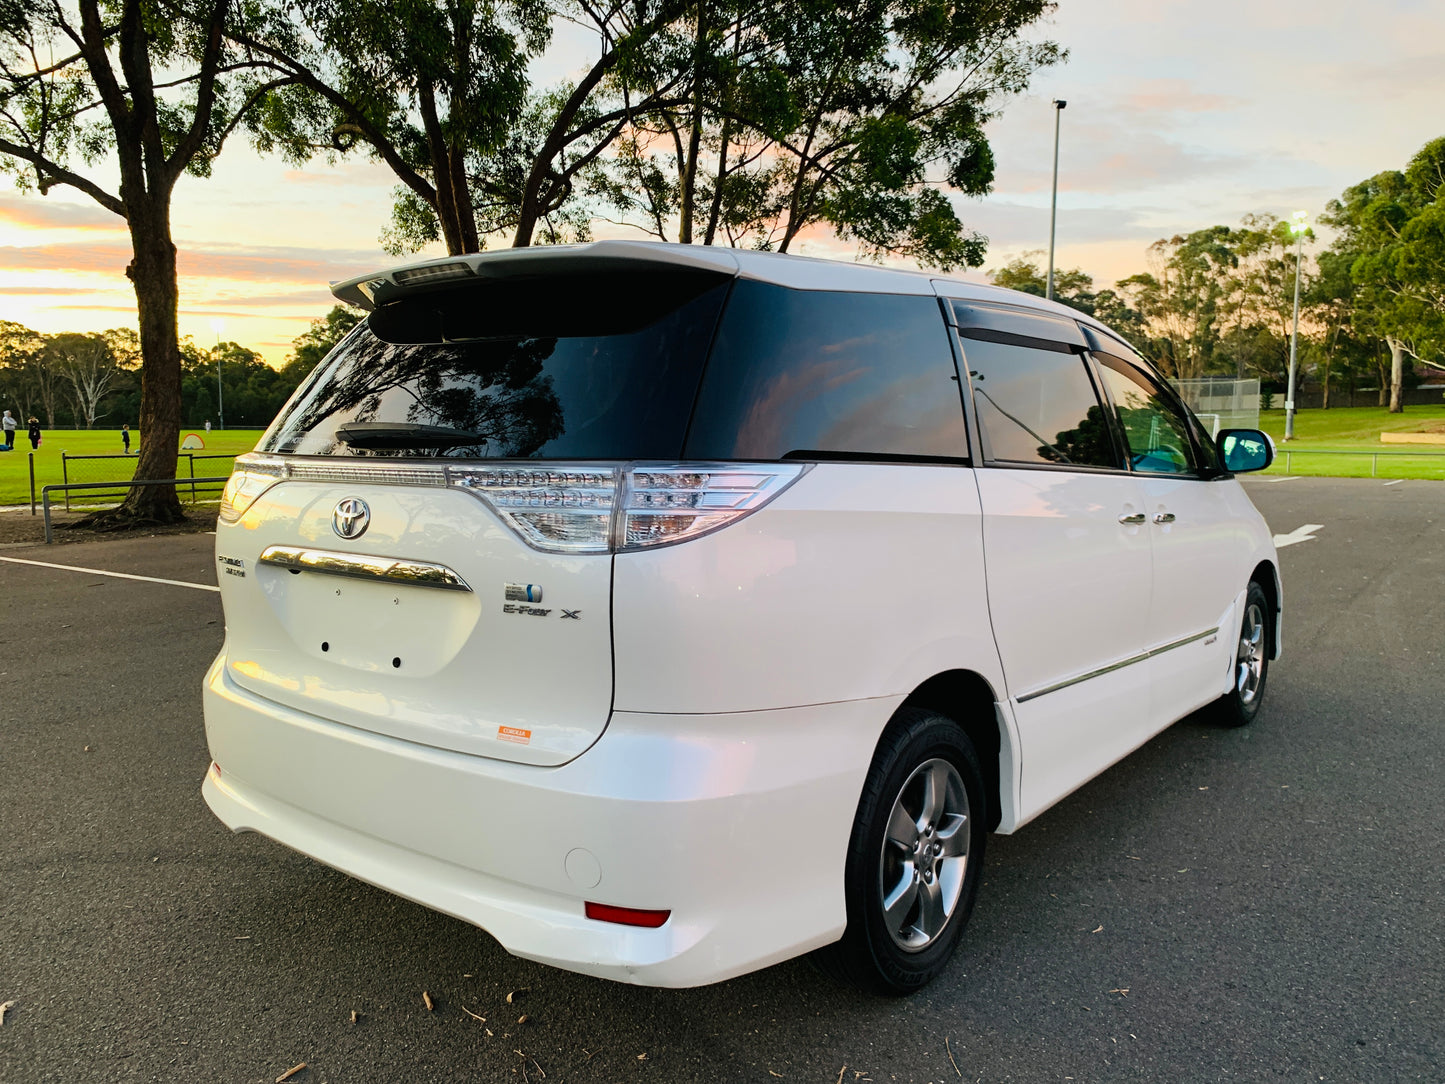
(14, 466)
(1355, 429)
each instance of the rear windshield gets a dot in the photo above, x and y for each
(562, 367)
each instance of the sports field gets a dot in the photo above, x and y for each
(15, 468)
(1356, 429)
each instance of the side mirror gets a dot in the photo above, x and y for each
(1244, 450)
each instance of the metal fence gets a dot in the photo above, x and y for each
(118, 469)
(90, 486)
(1434, 469)
(1222, 403)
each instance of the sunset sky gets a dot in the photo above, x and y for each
(1179, 116)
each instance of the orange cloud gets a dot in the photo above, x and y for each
(39, 213)
(234, 262)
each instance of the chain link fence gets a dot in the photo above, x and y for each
(121, 469)
(1222, 402)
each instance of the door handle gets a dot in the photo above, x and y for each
(1164, 517)
(1132, 521)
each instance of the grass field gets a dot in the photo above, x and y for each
(1355, 429)
(15, 471)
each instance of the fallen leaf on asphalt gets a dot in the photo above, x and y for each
(1099, 930)
(474, 1016)
(771, 1073)
(1133, 858)
(5, 1007)
(641, 1057)
(1123, 991)
(522, 1019)
(289, 1073)
(426, 997)
(516, 994)
(355, 1016)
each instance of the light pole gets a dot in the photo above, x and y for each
(1298, 225)
(218, 326)
(1059, 104)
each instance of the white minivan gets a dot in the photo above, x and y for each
(670, 611)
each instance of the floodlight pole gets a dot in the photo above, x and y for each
(1059, 105)
(1298, 226)
(220, 392)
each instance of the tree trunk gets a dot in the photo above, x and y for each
(715, 211)
(441, 167)
(694, 141)
(1325, 386)
(152, 272)
(1397, 375)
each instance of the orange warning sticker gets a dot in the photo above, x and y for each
(512, 733)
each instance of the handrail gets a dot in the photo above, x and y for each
(46, 491)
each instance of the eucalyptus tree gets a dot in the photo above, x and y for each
(423, 85)
(146, 91)
(1184, 297)
(1392, 230)
(438, 91)
(858, 118)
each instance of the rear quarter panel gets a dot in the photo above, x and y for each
(860, 581)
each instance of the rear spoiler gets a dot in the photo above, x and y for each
(369, 291)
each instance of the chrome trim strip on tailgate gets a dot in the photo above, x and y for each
(1151, 653)
(314, 471)
(394, 570)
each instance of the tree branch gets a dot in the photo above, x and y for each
(195, 138)
(64, 176)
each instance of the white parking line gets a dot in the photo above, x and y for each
(117, 575)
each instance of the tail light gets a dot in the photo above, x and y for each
(253, 475)
(562, 508)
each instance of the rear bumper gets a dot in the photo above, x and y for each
(737, 824)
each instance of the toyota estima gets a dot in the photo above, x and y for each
(668, 612)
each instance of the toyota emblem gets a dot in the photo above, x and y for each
(351, 518)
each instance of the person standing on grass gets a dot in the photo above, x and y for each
(125, 438)
(9, 424)
(34, 433)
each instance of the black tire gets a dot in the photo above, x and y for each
(916, 752)
(1240, 706)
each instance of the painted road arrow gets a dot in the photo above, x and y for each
(1299, 534)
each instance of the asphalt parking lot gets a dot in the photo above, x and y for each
(1263, 904)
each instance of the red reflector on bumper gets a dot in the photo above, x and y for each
(627, 916)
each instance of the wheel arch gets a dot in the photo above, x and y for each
(1266, 574)
(969, 700)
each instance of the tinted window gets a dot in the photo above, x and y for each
(574, 368)
(1037, 406)
(1155, 430)
(806, 373)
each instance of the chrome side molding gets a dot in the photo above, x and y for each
(392, 570)
(1151, 653)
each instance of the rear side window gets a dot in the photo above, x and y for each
(561, 367)
(1038, 406)
(809, 374)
